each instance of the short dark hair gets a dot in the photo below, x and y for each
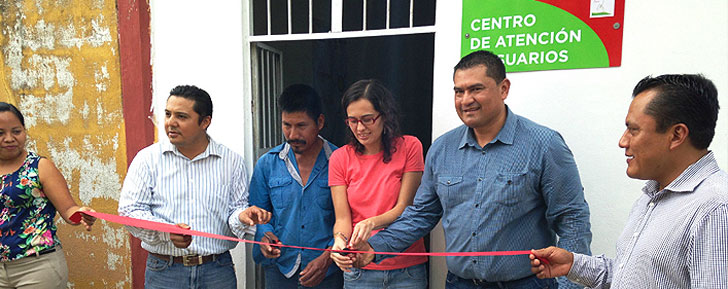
(203, 103)
(690, 99)
(495, 68)
(301, 98)
(4, 106)
(384, 103)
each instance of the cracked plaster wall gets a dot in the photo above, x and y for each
(60, 66)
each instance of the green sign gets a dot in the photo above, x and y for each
(532, 35)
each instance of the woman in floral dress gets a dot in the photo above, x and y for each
(31, 192)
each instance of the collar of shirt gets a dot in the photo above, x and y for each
(212, 149)
(505, 135)
(282, 151)
(688, 180)
(283, 154)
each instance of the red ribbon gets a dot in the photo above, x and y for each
(170, 228)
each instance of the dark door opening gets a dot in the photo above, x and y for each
(404, 63)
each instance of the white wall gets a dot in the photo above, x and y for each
(588, 106)
(201, 43)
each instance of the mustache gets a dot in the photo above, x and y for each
(296, 141)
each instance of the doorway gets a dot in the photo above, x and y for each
(403, 63)
(329, 45)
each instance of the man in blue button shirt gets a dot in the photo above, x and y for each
(291, 181)
(499, 182)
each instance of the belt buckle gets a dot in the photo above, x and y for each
(191, 260)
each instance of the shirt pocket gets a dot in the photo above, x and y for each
(280, 191)
(509, 188)
(448, 189)
(323, 199)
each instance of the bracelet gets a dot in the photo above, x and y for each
(342, 236)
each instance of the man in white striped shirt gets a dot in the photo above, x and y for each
(677, 233)
(196, 183)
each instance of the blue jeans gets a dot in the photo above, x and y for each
(531, 282)
(218, 274)
(274, 279)
(414, 277)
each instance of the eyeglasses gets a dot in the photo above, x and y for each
(366, 120)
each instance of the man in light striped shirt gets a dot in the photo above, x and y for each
(196, 183)
(677, 233)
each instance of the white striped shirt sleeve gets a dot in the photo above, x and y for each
(135, 199)
(239, 203)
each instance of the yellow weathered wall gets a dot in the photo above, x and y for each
(60, 66)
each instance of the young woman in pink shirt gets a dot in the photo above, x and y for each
(373, 179)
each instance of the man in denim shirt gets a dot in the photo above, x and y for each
(500, 182)
(291, 181)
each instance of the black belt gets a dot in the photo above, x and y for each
(46, 251)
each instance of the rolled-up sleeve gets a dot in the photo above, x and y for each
(591, 271)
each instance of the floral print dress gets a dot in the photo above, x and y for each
(26, 214)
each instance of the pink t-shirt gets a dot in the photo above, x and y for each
(373, 187)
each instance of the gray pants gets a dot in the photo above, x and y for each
(46, 271)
